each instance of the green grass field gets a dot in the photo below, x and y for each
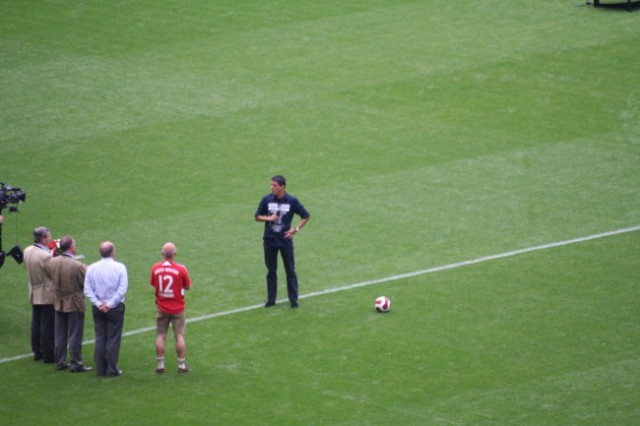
(419, 134)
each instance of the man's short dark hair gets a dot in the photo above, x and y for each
(280, 180)
(66, 243)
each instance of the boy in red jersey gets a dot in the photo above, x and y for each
(171, 280)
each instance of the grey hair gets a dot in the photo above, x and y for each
(40, 233)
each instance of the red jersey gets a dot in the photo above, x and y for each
(170, 280)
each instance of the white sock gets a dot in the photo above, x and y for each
(181, 363)
(160, 362)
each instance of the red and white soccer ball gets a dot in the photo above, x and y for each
(383, 304)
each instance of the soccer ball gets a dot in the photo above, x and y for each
(383, 304)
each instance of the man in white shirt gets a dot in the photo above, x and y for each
(105, 285)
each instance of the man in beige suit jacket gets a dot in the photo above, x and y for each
(67, 276)
(36, 258)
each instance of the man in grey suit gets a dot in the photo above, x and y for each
(36, 258)
(105, 285)
(67, 276)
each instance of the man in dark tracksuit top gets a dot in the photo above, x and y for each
(276, 210)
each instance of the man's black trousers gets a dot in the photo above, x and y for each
(271, 261)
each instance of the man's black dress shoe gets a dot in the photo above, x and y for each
(81, 369)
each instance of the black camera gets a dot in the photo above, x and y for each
(10, 196)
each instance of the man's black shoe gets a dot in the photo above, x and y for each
(294, 304)
(82, 369)
(62, 367)
(269, 304)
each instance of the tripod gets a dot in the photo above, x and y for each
(15, 252)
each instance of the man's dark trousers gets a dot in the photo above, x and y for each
(69, 330)
(42, 332)
(271, 261)
(108, 328)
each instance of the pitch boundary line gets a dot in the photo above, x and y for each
(382, 280)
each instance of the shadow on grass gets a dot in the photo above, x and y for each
(626, 5)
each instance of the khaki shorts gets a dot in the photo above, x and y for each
(177, 321)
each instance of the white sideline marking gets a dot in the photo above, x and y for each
(380, 280)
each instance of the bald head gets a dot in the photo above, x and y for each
(107, 249)
(169, 251)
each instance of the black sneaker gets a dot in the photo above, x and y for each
(269, 304)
